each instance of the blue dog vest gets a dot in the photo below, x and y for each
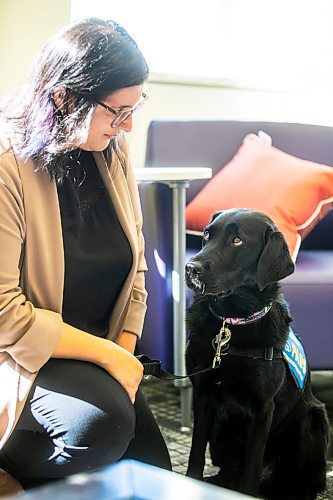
(295, 358)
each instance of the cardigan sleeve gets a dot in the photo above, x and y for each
(28, 334)
(137, 308)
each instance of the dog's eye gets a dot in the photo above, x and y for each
(205, 236)
(237, 241)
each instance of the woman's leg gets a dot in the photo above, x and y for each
(77, 418)
(148, 444)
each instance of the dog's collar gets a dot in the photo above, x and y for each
(242, 321)
(221, 340)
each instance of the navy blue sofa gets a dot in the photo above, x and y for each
(309, 290)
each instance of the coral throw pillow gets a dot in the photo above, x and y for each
(295, 193)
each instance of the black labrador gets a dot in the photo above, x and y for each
(253, 403)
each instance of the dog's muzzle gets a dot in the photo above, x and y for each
(199, 278)
(193, 276)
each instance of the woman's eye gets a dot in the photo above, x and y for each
(237, 241)
(205, 236)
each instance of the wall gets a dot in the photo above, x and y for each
(26, 24)
(24, 27)
(186, 102)
(195, 102)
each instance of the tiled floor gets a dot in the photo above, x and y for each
(163, 398)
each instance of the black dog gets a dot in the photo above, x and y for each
(266, 430)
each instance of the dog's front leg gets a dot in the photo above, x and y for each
(202, 425)
(258, 428)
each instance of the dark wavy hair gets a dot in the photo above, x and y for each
(86, 61)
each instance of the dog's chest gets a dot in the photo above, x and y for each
(241, 386)
(238, 381)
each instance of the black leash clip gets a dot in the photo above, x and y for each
(153, 367)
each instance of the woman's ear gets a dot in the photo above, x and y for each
(58, 96)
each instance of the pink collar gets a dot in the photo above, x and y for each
(243, 321)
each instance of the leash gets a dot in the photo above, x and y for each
(153, 367)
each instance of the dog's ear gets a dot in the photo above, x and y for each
(275, 262)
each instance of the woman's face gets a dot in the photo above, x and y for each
(100, 130)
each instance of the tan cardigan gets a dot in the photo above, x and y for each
(32, 274)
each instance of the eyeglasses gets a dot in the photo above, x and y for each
(123, 113)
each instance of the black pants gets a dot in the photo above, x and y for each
(78, 418)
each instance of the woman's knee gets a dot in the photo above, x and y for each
(102, 422)
(90, 438)
(104, 440)
(81, 421)
(116, 427)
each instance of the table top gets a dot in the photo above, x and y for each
(131, 479)
(172, 173)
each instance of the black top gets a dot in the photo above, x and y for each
(98, 256)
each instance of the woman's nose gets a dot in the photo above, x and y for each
(127, 124)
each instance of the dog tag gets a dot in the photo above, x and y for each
(220, 340)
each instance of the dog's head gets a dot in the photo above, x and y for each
(241, 247)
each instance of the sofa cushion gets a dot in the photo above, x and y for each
(295, 193)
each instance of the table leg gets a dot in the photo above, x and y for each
(179, 299)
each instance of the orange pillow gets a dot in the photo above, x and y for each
(295, 193)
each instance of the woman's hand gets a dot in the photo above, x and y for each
(117, 361)
(124, 367)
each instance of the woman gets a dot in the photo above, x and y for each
(72, 294)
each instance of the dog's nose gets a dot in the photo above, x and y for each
(193, 269)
